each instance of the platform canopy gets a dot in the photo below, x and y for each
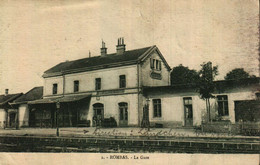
(62, 99)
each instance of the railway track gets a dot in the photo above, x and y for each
(127, 145)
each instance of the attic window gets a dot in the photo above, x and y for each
(155, 64)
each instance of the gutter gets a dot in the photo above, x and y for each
(138, 101)
(63, 90)
(78, 70)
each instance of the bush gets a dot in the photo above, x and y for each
(109, 122)
(84, 123)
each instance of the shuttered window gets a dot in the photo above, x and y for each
(155, 64)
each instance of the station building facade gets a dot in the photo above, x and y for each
(99, 87)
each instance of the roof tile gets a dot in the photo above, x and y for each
(92, 62)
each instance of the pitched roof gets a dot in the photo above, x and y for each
(221, 86)
(34, 94)
(62, 99)
(98, 62)
(4, 99)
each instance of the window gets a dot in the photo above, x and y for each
(98, 115)
(122, 81)
(157, 111)
(54, 89)
(155, 64)
(123, 111)
(98, 84)
(151, 63)
(76, 86)
(98, 109)
(160, 65)
(222, 105)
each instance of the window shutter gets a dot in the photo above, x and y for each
(160, 65)
(151, 63)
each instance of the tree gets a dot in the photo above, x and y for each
(183, 75)
(206, 85)
(238, 73)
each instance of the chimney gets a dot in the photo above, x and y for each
(103, 49)
(120, 48)
(6, 91)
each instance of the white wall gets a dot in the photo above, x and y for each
(170, 112)
(48, 84)
(236, 95)
(173, 109)
(109, 80)
(2, 117)
(146, 79)
(23, 115)
(111, 108)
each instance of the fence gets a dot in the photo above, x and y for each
(241, 128)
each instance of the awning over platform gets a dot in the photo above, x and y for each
(63, 99)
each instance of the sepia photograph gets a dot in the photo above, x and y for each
(133, 81)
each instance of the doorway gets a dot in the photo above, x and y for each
(98, 114)
(188, 111)
(123, 114)
(12, 119)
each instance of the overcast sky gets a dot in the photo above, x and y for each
(36, 35)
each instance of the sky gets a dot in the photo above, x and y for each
(36, 35)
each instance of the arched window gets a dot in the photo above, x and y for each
(98, 110)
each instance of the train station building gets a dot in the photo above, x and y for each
(114, 89)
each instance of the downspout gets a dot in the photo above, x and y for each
(138, 98)
(56, 109)
(63, 92)
(6, 118)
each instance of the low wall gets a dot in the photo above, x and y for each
(166, 124)
(251, 129)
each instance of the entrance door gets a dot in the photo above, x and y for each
(98, 114)
(123, 114)
(188, 112)
(12, 118)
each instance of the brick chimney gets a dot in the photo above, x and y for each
(103, 49)
(120, 48)
(6, 91)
